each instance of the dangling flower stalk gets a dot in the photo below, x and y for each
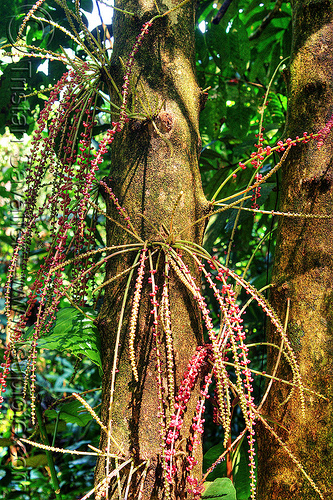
(160, 395)
(165, 316)
(135, 311)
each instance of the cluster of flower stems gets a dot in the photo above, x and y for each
(72, 163)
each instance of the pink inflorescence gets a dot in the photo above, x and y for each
(256, 191)
(324, 132)
(129, 66)
(73, 164)
(197, 429)
(189, 380)
(115, 200)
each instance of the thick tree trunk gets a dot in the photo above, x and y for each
(152, 162)
(303, 272)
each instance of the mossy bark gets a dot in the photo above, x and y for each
(149, 170)
(303, 272)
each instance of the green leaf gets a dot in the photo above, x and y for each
(73, 412)
(258, 16)
(215, 229)
(14, 494)
(286, 41)
(35, 460)
(210, 457)
(43, 96)
(4, 442)
(240, 469)
(213, 115)
(221, 489)
(34, 35)
(87, 5)
(201, 47)
(239, 46)
(218, 45)
(50, 427)
(6, 476)
(6, 97)
(241, 474)
(238, 118)
(73, 332)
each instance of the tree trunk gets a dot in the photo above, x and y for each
(155, 175)
(303, 273)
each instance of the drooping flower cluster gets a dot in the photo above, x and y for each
(129, 67)
(197, 430)
(135, 312)
(66, 158)
(232, 338)
(324, 133)
(184, 393)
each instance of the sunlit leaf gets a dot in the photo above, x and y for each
(73, 412)
(74, 333)
(221, 489)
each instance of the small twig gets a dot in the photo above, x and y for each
(277, 361)
(223, 9)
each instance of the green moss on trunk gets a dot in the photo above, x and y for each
(151, 164)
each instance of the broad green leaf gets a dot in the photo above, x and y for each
(270, 35)
(218, 45)
(239, 46)
(6, 97)
(201, 47)
(215, 228)
(50, 426)
(87, 5)
(4, 442)
(34, 35)
(221, 489)
(73, 412)
(14, 494)
(213, 115)
(241, 474)
(6, 475)
(238, 118)
(286, 41)
(210, 457)
(12, 14)
(259, 15)
(35, 460)
(275, 58)
(240, 468)
(43, 96)
(75, 333)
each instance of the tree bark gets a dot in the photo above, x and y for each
(153, 160)
(303, 273)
